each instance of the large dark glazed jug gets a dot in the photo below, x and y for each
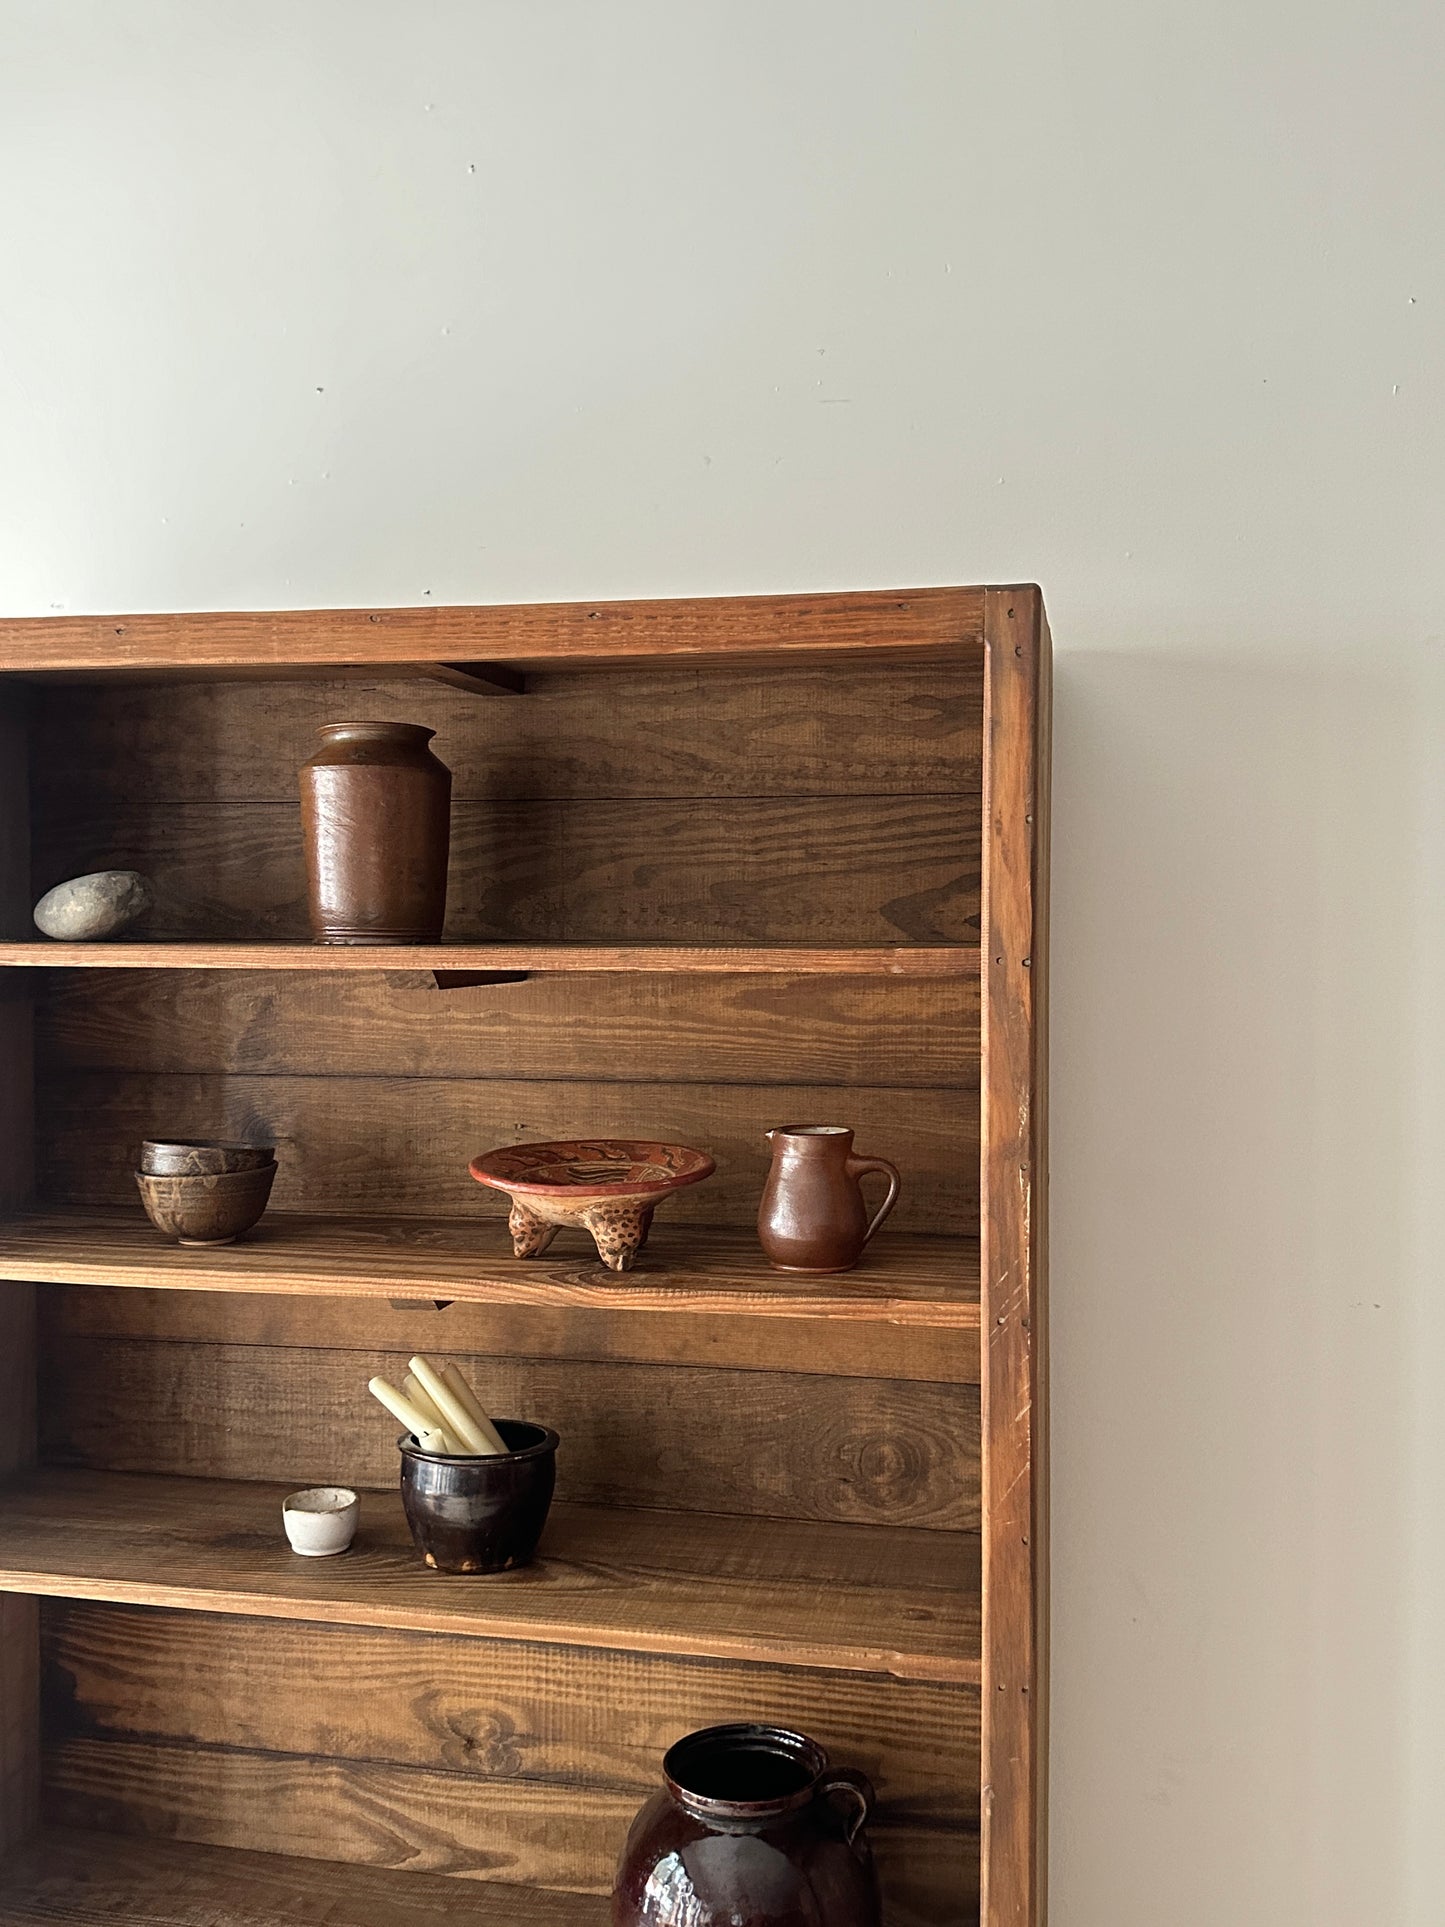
(754, 1829)
(376, 812)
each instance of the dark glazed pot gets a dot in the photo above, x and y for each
(376, 816)
(812, 1216)
(755, 1829)
(480, 1515)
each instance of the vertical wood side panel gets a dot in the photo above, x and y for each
(1013, 1260)
(19, 1624)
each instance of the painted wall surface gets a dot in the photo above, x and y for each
(337, 301)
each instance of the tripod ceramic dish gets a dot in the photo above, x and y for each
(607, 1186)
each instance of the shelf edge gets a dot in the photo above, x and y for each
(960, 961)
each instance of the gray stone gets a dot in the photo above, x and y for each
(100, 905)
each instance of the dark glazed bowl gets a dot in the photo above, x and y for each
(201, 1157)
(206, 1210)
(480, 1515)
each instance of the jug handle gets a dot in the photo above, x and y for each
(859, 1167)
(859, 1788)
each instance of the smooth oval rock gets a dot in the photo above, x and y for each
(89, 908)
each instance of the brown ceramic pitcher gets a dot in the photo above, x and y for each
(376, 813)
(755, 1829)
(812, 1217)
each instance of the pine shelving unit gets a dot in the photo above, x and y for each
(717, 865)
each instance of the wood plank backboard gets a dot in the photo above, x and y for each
(1013, 1259)
(679, 806)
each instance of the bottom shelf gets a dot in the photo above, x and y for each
(90, 1878)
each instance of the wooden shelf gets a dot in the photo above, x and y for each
(863, 1599)
(926, 1282)
(106, 1880)
(658, 959)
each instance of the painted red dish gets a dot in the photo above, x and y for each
(607, 1186)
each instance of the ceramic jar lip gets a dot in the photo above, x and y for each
(811, 1130)
(804, 1754)
(402, 732)
(326, 1501)
(545, 1442)
(204, 1144)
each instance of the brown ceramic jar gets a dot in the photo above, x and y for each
(755, 1829)
(376, 815)
(812, 1216)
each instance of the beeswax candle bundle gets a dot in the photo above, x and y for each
(439, 1407)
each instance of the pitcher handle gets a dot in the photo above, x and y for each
(859, 1167)
(859, 1789)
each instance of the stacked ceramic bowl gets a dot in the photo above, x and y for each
(202, 1191)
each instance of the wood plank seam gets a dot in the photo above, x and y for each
(888, 1815)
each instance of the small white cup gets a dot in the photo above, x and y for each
(321, 1520)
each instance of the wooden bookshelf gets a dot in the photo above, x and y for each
(717, 865)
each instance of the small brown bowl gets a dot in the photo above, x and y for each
(207, 1210)
(480, 1514)
(201, 1157)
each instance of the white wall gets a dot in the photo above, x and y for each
(336, 301)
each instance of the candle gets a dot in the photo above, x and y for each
(428, 1437)
(454, 1379)
(414, 1390)
(457, 1419)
